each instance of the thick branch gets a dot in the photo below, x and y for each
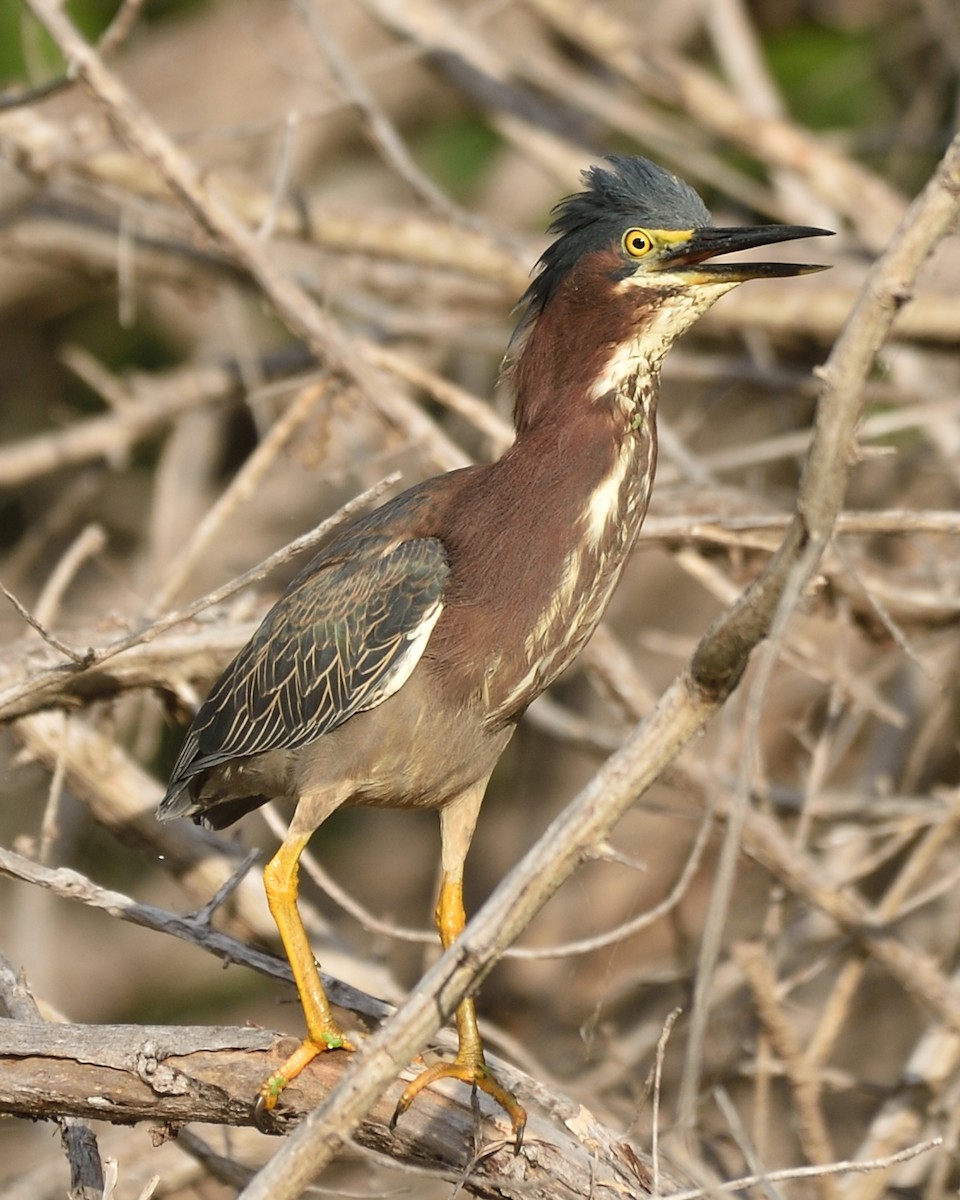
(169, 1074)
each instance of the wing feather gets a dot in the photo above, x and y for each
(345, 635)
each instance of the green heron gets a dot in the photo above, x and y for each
(394, 668)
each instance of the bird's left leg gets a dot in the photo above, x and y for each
(457, 822)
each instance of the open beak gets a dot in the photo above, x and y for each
(708, 242)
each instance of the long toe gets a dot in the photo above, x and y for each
(478, 1075)
(305, 1053)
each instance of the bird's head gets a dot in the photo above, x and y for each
(630, 269)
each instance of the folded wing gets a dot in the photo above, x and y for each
(345, 635)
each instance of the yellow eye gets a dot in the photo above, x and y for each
(637, 243)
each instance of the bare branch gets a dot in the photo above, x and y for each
(77, 1138)
(78, 657)
(39, 689)
(840, 1168)
(173, 1075)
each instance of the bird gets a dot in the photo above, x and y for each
(394, 668)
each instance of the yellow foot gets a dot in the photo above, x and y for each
(306, 1052)
(478, 1075)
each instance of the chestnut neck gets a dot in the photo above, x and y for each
(586, 352)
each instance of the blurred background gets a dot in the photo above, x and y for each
(161, 432)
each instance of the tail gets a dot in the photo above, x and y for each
(178, 801)
(185, 798)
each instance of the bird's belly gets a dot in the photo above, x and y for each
(415, 750)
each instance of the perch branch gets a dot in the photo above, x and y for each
(174, 1075)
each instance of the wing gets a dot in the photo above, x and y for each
(345, 635)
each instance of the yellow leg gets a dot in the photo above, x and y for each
(280, 883)
(469, 1066)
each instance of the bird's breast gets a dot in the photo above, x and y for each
(575, 585)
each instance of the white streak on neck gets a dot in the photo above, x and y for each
(604, 503)
(628, 360)
(657, 330)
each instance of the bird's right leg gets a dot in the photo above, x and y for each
(280, 881)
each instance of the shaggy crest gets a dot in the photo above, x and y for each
(636, 192)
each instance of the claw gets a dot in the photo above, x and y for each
(270, 1091)
(263, 1110)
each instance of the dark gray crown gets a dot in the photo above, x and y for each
(635, 192)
